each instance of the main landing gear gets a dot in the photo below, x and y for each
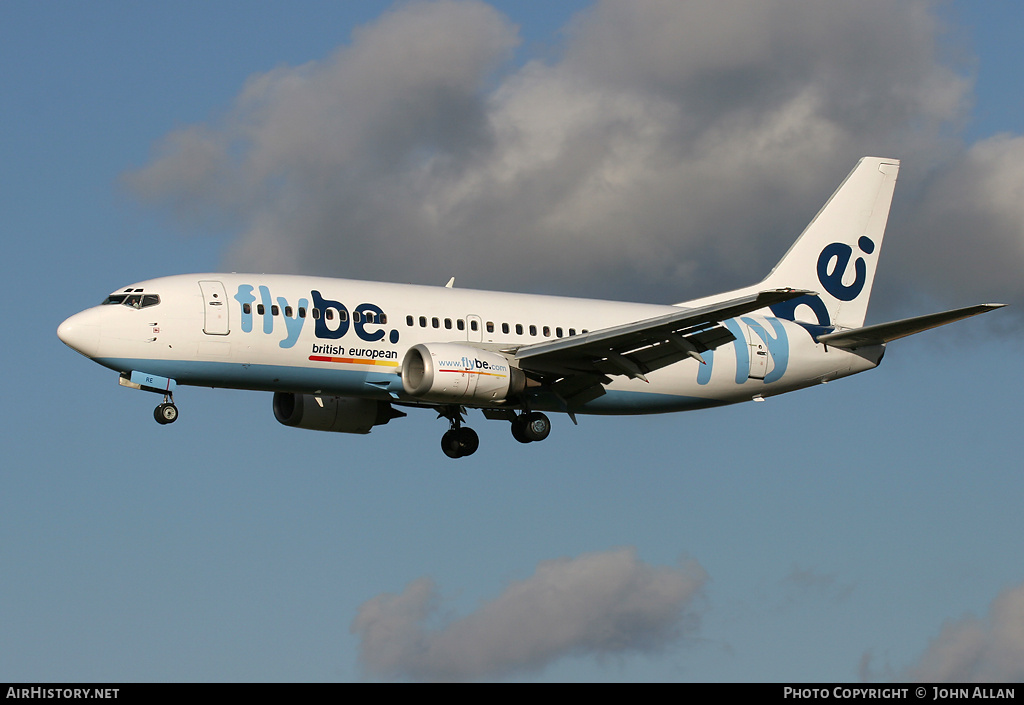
(530, 426)
(459, 441)
(166, 412)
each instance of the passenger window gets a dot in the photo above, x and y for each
(473, 325)
(504, 328)
(274, 310)
(288, 311)
(547, 332)
(435, 323)
(356, 316)
(572, 332)
(558, 332)
(342, 315)
(460, 324)
(383, 319)
(260, 310)
(316, 314)
(302, 311)
(490, 326)
(423, 321)
(247, 309)
(408, 320)
(329, 314)
(448, 323)
(533, 330)
(519, 328)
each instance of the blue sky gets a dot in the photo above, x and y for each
(852, 531)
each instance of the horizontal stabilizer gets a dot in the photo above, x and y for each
(885, 332)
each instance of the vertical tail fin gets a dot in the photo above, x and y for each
(837, 253)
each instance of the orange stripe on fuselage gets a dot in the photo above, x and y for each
(353, 360)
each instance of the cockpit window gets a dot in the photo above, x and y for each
(133, 300)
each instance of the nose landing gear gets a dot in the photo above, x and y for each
(166, 412)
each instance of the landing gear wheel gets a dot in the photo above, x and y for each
(535, 426)
(519, 429)
(530, 427)
(468, 441)
(460, 442)
(450, 444)
(166, 413)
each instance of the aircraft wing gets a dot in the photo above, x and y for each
(633, 349)
(885, 332)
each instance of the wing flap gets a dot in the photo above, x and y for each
(894, 330)
(673, 350)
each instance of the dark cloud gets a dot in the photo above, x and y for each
(598, 604)
(968, 234)
(673, 150)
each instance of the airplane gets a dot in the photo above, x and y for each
(345, 356)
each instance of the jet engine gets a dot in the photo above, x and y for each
(449, 372)
(327, 413)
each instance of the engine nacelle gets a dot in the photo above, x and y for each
(327, 413)
(450, 372)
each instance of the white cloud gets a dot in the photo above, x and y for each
(673, 149)
(978, 650)
(598, 604)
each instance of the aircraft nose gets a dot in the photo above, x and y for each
(79, 335)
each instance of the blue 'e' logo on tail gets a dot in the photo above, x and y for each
(841, 253)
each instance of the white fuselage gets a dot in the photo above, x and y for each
(314, 335)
